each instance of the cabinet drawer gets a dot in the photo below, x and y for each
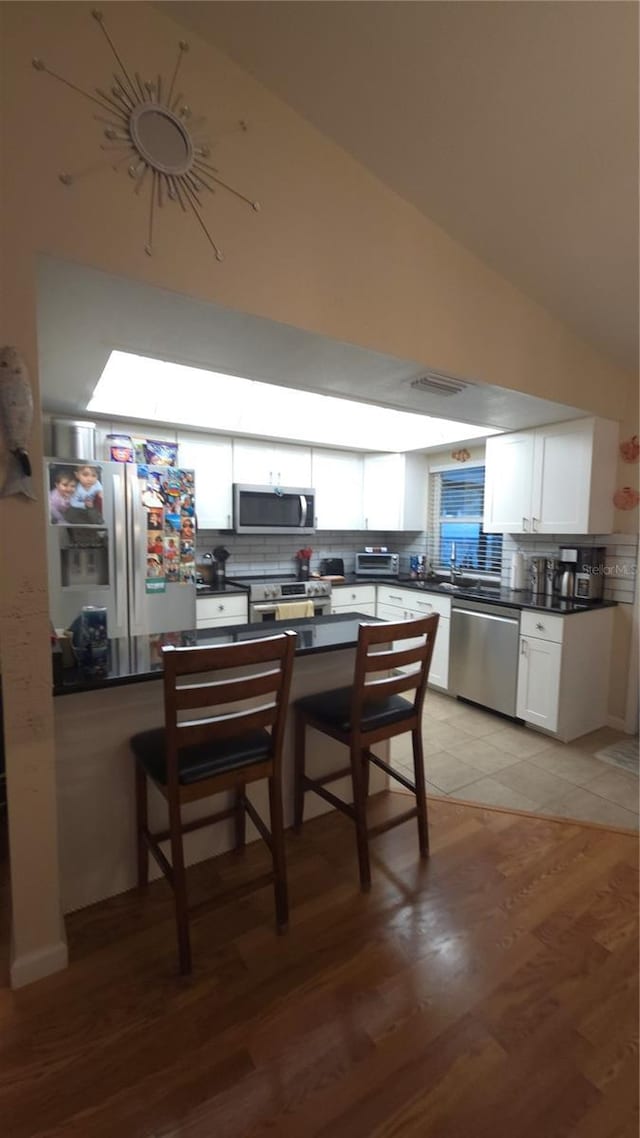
(543, 626)
(365, 608)
(426, 604)
(230, 610)
(387, 595)
(414, 601)
(351, 596)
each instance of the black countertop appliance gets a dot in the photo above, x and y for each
(332, 567)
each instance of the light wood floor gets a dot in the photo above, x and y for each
(489, 992)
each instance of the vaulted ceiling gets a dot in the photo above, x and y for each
(513, 125)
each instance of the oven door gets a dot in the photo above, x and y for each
(266, 611)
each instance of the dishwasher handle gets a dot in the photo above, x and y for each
(515, 619)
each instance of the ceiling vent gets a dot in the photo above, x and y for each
(437, 384)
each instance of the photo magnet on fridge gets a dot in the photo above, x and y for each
(75, 494)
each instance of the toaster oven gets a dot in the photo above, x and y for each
(377, 564)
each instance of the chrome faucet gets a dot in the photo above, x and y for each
(455, 573)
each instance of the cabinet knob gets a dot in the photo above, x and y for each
(525, 525)
(540, 626)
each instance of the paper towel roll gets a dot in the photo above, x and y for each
(518, 571)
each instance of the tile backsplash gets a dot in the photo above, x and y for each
(269, 553)
(621, 561)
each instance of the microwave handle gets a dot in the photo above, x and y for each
(303, 510)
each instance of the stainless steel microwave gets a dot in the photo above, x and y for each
(377, 564)
(273, 509)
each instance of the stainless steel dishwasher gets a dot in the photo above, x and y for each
(483, 660)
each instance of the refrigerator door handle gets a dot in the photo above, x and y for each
(119, 555)
(137, 556)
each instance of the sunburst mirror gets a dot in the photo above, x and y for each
(155, 134)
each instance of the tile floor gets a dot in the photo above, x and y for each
(475, 755)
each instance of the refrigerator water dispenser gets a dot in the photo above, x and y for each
(84, 563)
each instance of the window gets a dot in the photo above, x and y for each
(456, 500)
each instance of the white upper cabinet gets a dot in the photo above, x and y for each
(336, 477)
(210, 457)
(267, 463)
(557, 479)
(508, 482)
(395, 492)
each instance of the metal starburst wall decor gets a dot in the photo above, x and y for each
(154, 132)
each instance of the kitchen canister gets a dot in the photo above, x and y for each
(518, 578)
(89, 639)
(74, 438)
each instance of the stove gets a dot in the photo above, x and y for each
(267, 593)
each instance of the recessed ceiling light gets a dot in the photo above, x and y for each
(138, 387)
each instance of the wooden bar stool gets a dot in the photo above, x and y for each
(366, 713)
(228, 746)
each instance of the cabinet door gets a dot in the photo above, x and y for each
(508, 483)
(265, 463)
(425, 606)
(383, 491)
(210, 458)
(562, 478)
(539, 682)
(336, 477)
(439, 670)
(416, 477)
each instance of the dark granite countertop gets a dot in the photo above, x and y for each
(486, 593)
(139, 658)
(225, 590)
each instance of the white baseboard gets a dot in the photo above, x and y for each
(36, 965)
(619, 723)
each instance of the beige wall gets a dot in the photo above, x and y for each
(332, 251)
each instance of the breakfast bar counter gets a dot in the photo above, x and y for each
(96, 716)
(139, 658)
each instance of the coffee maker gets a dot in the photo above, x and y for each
(584, 569)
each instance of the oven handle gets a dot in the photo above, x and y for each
(264, 608)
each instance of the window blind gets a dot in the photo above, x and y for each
(456, 502)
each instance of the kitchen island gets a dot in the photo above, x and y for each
(96, 716)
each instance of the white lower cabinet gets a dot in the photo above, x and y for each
(539, 682)
(354, 598)
(563, 670)
(407, 604)
(217, 611)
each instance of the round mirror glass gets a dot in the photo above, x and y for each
(161, 139)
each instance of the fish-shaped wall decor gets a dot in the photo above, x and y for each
(16, 417)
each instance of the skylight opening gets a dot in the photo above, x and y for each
(138, 387)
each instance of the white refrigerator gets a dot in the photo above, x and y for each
(121, 536)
